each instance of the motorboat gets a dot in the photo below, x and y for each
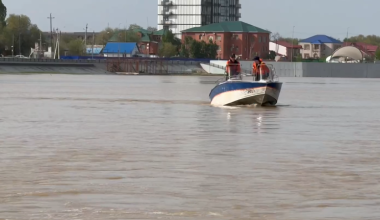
(263, 90)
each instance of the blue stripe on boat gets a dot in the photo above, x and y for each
(238, 85)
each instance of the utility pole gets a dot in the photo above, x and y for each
(19, 34)
(40, 47)
(85, 39)
(93, 43)
(58, 39)
(51, 35)
(125, 27)
(291, 58)
(294, 67)
(13, 44)
(347, 33)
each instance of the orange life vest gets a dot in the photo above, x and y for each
(260, 68)
(233, 67)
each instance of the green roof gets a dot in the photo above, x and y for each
(228, 26)
(160, 32)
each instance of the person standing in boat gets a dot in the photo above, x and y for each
(233, 67)
(260, 68)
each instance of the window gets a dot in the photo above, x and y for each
(219, 48)
(237, 49)
(307, 47)
(323, 47)
(235, 37)
(306, 56)
(200, 36)
(142, 47)
(260, 39)
(252, 39)
(218, 37)
(211, 38)
(316, 46)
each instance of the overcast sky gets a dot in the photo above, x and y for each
(310, 17)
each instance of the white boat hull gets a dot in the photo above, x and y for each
(259, 93)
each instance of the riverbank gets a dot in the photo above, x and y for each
(25, 67)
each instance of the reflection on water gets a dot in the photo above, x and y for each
(110, 147)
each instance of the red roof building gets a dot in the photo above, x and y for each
(284, 49)
(245, 40)
(367, 49)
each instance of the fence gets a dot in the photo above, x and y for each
(315, 69)
(154, 66)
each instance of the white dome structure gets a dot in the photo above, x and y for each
(347, 54)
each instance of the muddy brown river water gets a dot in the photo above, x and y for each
(151, 147)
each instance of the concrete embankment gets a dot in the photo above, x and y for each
(17, 67)
(298, 69)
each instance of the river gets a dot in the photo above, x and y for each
(151, 147)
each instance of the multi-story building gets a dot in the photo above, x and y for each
(240, 38)
(178, 15)
(318, 46)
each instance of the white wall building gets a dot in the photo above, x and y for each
(284, 49)
(179, 15)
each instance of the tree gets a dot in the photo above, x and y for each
(104, 36)
(19, 31)
(290, 40)
(169, 37)
(299, 58)
(151, 29)
(75, 47)
(271, 55)
(369, 39)
(134, 26)
(167, 50)
(195, 49)
(127, 35)
(3, 14)
(377, 54)
(184, 52)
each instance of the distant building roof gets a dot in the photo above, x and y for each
(160, 32)
(287, 44)
(227, 26)
(320, 39)
(362, 46)
(145, 34)
(348, 51)
(97, 49)
(120, 47)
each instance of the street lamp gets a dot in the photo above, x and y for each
(291, 58)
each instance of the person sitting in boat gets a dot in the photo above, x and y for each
(233, 67)
(260, 68)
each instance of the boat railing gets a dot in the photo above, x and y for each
(268, 76)
(233, 73)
